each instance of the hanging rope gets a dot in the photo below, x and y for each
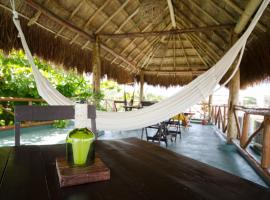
(191, 94)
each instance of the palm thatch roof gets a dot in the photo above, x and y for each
(167, 53)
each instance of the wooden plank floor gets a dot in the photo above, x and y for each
(139, 170)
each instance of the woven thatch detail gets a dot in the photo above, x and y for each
(255, 65)
(57, 50)
(167, 81)
(75, 24)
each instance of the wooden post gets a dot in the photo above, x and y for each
(234, 87)
(224, 118)
(141, 86)
(234, 84)
(265, 162)
(216, 115)
(210, 100)
(245, 129)
(96, 64)
(17, 134)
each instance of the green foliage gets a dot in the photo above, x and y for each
(249, 101)
(60, 123)
(16, 80)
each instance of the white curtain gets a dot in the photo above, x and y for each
(191, 94)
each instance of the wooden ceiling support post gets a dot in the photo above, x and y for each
(170, 5)
(75, 29)
(245, 129)
(250, 9)
(210, 102)
(96, 64)
(234, 88)
(234, 85)
(141, 85)
(265, 162)
(168, 32)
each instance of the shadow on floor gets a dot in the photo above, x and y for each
(203, 144)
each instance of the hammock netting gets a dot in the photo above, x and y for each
(192, 93)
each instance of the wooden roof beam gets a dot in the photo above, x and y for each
(161, 33)
(75, 29)
(197, 52)
(172, 73)
(182, 45)
(132, 42)
(195, 4)
(200, 41)
(240, 11)
(112, 16)
(170, 5)
(250, 9)
(70, 17)
(221, 43)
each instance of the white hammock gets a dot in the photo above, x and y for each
(198, 89)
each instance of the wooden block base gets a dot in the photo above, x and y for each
(69, 176)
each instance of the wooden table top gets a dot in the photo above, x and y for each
(139, 170)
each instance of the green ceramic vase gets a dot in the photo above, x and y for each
(80, 147)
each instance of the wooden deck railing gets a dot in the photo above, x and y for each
(218, 116)
(10, 109)
(244, 138)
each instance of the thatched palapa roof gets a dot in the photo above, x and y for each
(167, 53)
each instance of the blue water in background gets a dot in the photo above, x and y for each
(37, 135)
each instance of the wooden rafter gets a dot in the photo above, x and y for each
(240, 11)
(70, 17)
(178, 67)
(219, 45)
(161, 33)
(191, 43)
(132, 42)
(174, 53)
(149, 45)
(177, 72)
(167, 46)
(98, 10)
(127, 20)
(170, 5)
(34, 19)
(208, 15)
(112, 16)
(208, 49)
(74, 29)
(152, 54)
(120, 28)
(146, 47)
(201, 39)
(182, 45)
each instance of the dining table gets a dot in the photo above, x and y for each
(138, 170)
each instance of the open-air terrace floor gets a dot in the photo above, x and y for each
(205, 144)
(200, 165)
(202, 143)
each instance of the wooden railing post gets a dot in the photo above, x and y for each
(265, 162)
(216, 114)
(245, 130)
(224, 118)
(17, 134)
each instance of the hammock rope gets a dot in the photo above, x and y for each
(203, 86)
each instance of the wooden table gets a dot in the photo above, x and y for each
(139, 170)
